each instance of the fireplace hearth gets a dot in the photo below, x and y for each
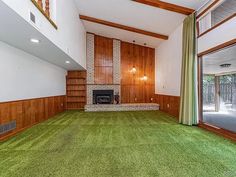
(103, 96)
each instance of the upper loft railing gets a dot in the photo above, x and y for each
(44, 7)
(219, 12)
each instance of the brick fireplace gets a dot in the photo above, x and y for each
(92, 84)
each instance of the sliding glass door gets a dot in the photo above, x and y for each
(218, 89)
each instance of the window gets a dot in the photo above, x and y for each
(221, 12)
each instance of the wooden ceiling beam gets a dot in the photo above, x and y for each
(167, 6)
(123, 27)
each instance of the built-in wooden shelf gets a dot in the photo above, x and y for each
(72, 84)
(78, 77)
(75, 101)
(76, 90)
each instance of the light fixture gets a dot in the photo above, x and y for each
(144, 78)
(67, 62)
(33, 40)
(133, 70)
(225, 65)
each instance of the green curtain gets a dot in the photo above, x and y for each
(188, 103)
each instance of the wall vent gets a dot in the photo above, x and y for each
(32, 18)
(5, 128)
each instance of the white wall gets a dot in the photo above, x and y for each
(23, 76)
(168, 65)
(70, 36)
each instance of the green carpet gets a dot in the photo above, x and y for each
(121, 144)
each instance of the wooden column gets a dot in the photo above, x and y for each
(40, 3)
(47, 8)
(217, 93)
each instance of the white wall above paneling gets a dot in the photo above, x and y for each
(24, 76)
(168, 65)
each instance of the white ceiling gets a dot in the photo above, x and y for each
(212, 62)
(193, 4)
(17, 32)
(130, 13)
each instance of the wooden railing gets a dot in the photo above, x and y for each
(44, 8)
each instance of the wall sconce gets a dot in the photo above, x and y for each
(144, 78)
(133, 70)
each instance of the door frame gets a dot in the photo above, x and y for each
(220, 131)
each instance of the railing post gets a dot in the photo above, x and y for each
(47, 8)
(40, 3)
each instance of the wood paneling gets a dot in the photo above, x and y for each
(29, 112)
(169, 104)
(133, 88)
(75, 90)
(167, 6)
(123, 27)
(103, 60)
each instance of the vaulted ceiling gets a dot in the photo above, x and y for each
(134, 14)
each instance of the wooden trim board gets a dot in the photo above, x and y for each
(219, 131)
(123, 27)
(167, 6)
(214, 49)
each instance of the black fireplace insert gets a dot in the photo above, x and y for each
(103, 96)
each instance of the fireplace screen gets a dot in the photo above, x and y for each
(103, 96)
